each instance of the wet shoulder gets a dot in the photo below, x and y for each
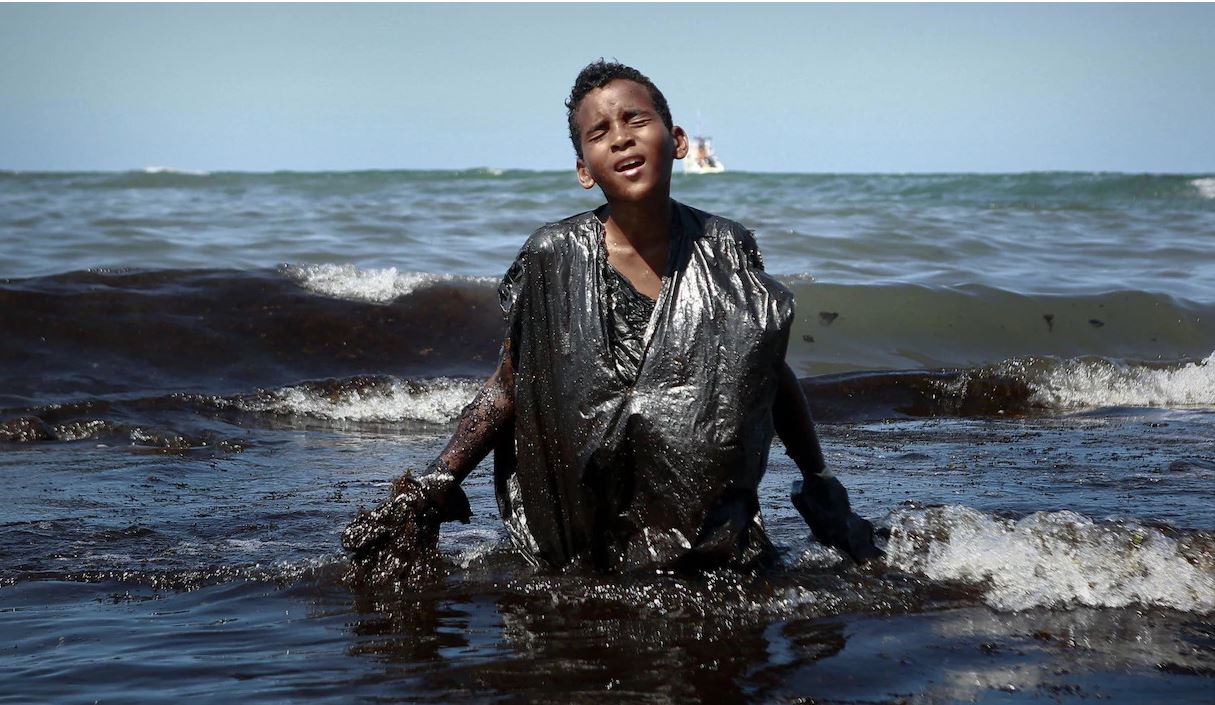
(726, 236)
(559, 236)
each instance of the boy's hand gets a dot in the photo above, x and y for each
(823, 503)
(398, 539)
(442, 492)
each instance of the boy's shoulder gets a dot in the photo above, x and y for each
(713, 225)
(559, 234)
(708, 228)
(721, 232)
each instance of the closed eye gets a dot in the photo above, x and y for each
(597, 131)
(637, 118)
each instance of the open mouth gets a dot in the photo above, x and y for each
(629, 163)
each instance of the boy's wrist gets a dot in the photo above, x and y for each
(442, 490)
(438, 473)
(818, 471)
(813, 466)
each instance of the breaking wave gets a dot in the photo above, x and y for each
(1086, 384)
(886, 351)
(345, 281)
(1056, 559)
(172, 170)
(372, 400)
(1013, 388)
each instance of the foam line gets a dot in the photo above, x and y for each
(435, 401)
(1097, 384)
(345, 281)
(1054, 559)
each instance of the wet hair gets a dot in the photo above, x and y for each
(598, 74)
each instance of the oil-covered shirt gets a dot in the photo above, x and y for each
(659, 468)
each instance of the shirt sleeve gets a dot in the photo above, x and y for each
(510, 295)
(755, 260)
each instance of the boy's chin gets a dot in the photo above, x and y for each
(631, 197)
(638, 193)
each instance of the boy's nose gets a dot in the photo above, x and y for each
(621, 139)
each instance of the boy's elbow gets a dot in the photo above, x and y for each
(500, 389)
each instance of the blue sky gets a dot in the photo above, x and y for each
(811, 88)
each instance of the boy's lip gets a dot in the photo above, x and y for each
(628, 164)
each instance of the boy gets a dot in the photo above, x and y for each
(641, 379)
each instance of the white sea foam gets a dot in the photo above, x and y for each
(1096, 384)
(345, 281)
(469, 546)
(1051, 559)
(435, 401)
(171, 170)
(1205, 186)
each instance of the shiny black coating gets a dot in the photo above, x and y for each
(396, 542)
(662, 471)
(823, 503)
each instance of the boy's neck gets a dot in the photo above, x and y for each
(643, 224)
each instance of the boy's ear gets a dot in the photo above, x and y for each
(681, 142)
(584, 175)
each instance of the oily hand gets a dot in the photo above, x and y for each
(398, 539)
(823, 503)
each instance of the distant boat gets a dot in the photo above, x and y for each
(701, 159)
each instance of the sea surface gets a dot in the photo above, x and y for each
(204, 375)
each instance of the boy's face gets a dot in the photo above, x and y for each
(626, 148)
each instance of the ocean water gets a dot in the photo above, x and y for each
(203, 376)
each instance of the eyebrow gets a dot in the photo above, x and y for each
(600, 125)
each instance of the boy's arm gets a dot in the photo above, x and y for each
(401, 534)
(492, 410)
(819, 497)
(477, 428)
(794, 425)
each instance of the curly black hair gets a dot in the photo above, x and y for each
(598, 74)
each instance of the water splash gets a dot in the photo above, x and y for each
(1103, 383)
(1054, 559)
(345, 281)
(1205, 186)
(368, 399)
